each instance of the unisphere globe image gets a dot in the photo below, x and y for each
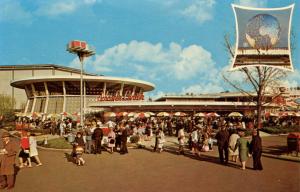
(263, 31)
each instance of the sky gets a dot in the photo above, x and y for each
(176, 45)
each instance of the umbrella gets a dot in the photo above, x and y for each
(150, 113)
(163, 114)
(179, 114)
(65, 114)
(122, 114)
(270, 114)
(53, 115)
(212, 115)
(235, 114)
(131, 114)
(199, 115)
(141, 115)
(109, 114)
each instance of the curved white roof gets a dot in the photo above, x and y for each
(20, 83)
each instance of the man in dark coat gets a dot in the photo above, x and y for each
(7, 162)
(223, 139)
(256, 150)
(124, 149)
(97, 137)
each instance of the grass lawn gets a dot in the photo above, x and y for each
(58, 143)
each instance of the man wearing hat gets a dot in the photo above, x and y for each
(7, 171)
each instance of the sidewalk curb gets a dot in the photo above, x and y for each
(53, 149)
(280, 158)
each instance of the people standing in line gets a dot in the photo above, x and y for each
(88, 138)
(124, 135)
(243, 146)
(161, 140)
(111, 140)
(97, 137)
(25, 150)
(181, 139)
(33, 152)
(233, 154)
(7, 165)
(222, 141)
(256, 150)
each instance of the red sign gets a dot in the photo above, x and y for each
(121, 98)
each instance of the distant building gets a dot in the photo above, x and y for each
(48, 89)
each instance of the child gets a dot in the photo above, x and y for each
(78, 149)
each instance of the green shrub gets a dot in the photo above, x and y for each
(57, 143)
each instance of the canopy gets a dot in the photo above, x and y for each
(163, 114)
(235, 114)
(109, 114)
(141, 115)
(179, 114)
(212, 115)
(122, 114)
(199, 115)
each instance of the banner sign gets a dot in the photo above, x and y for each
(121, 98)
(263, 37)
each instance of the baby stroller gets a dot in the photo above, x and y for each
(77, 154)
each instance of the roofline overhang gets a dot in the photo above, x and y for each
(20, 83)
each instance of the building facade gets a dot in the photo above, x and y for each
(53, 89)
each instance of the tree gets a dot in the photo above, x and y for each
(262, 81)
(6, 105)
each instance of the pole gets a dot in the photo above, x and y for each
(81, 89)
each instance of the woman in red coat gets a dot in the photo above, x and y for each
(24, 154)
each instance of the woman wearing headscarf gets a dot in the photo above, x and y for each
(243, 145)
(256, 150)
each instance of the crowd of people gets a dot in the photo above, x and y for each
(194, 136)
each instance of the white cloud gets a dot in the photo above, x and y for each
(203, 88)
(193, 60)
(144, 59)
(57, 7)
(252, 3)
(200, 10)
(12, 11)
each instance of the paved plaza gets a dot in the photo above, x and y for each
(142, 170)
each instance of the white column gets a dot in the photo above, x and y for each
(121, 90)
(65, 97)
(133, 91)
(47, 97)
(104, 89)
(34, 97)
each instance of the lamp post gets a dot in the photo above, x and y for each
(82, 50)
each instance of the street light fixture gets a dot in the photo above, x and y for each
(82, 50)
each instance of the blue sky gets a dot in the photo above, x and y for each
(177, 45)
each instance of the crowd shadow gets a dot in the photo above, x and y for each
(187, 153)
(275, 150)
